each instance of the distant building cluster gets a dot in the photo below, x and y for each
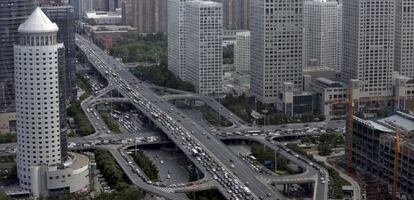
(320, 48)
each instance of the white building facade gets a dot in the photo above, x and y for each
(404, 38)
(276, 47)
(37, 101)
(176, 37)
(37, 95)
(368, 45)
(242, 52)
(203, 46)
(320, 22)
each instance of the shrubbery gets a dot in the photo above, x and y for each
(161, 76)
(146, 165)
(135, 47)
(112, 125)
(212, 117)
(265, 153)
(7, 138)
(242, 106)
(110, 169)
(82, 122)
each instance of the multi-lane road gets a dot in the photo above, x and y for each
(188, 134)
(232, 186)
(173, 123)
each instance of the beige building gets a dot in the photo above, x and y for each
(332, 96)
(147, 16)
(6, 122)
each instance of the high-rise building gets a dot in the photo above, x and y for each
(404, 38)
(242, 52)
(236, 14)
(147, 16)
(12, 14)
(41, 159)
(339, 39)
(81, 7)
(114, 4)
(176, 39)
(64, 17)
(203, 46)
(76, 6)
(320, 24)
(368, 45)
(276, 47)
(37, 95)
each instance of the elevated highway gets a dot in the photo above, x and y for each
(153, 106)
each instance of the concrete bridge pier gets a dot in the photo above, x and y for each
(191, 102)
(174, 102)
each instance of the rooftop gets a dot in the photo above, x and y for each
(403, 122)
(38, 22)
(329, 83)
(374, 125)
(204, 3)
(101, 14)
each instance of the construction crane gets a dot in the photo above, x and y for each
(350, 102)
(349, 124)
(397, 151)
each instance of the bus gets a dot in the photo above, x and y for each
(252, 157)
(255, 132)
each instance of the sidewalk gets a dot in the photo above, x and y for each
(354, 184)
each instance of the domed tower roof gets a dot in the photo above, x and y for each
(38, 22)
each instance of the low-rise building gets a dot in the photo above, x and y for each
(102, 18)
(7, 122)
(373, 146)
(71, 176)
(328, 95)
(332, 97)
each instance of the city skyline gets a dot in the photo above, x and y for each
(207, 99)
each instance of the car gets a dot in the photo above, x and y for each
(161, 161)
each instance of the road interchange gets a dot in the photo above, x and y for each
(165, 116)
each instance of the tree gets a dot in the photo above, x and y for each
(324, 149)
(7, 138)
(109, 168)
(3, 196)
(228, 54)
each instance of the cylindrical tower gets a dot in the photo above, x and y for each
(37, 96)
